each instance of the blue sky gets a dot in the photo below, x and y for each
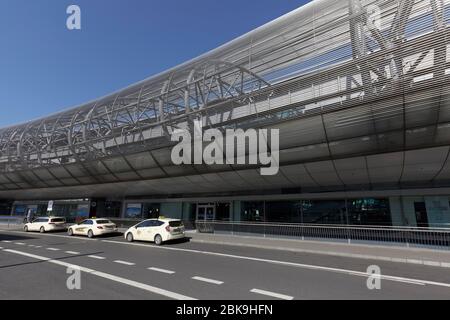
(45, 68)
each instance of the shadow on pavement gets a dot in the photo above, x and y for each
(12, 237)
(179, 241)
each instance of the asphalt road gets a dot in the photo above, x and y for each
(34, 266)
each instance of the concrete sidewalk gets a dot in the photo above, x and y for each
(417, 256)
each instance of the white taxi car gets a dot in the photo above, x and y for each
(46, 224)
(156, 230)
(92, 228)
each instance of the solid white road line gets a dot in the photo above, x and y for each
(207, 280)
(162, 270)
(126, 263)
(97, 257)
(72, 252)
(53, 249)
(272, 294)
(131, 283)
(292, 264)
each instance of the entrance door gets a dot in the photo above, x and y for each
(206, 212)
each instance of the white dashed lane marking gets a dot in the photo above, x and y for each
(211, 281)
(162, 270)
(97, 257)
(126, 263)
(289, 264)
(53, 249)
(128, 282)
(19, 243)
(6, 241)
(272, 294)
(72, 252)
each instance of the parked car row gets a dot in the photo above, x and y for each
(152, 230)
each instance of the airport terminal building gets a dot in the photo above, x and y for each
(359, 89)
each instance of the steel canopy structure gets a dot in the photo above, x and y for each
(359, 90)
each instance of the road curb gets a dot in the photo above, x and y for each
(429, 263)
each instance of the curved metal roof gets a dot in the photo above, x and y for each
(359, 77)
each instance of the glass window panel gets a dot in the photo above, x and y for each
(134, 211)
(369, 212)
(284, 211)
(324, 212)
(151, 210)
(112, 209)
(252, 211)
(223, 211)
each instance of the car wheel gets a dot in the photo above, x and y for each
(90, 234)
(25, 228)
(130, 237)
(70, 232)
(158, 240)
(42, 230)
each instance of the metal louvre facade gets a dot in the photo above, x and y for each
(359, 89)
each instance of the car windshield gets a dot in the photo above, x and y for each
(175, 224)
(103, 222)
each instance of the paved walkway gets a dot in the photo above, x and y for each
(429, 257)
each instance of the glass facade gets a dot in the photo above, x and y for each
(112, 209)
(151, 210)
(252, 211)
(73, 211)
(223, 211)
(370, 212)
(283, 211)
(375, 212)
(133, 211)
(324, 212)
(430, 211)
